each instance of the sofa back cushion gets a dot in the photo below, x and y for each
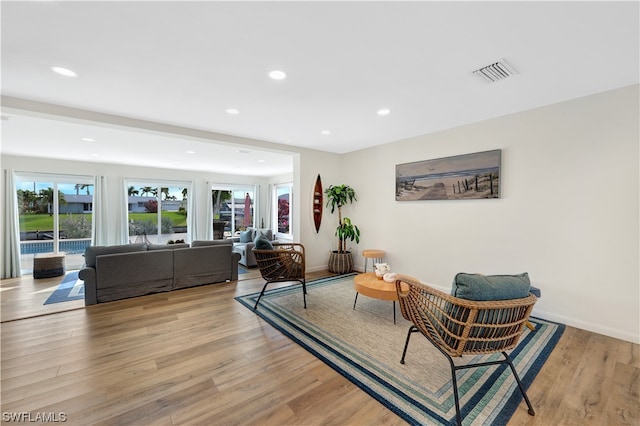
(490, 287)
(124, 275)
(203, 243)
(167, 246)
(204, 264)
(91, 252)
(131, 269)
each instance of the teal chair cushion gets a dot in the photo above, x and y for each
(490, 287)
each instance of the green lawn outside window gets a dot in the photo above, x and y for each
(44, 222)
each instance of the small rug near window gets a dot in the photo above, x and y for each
(365, 347)
(71, 288)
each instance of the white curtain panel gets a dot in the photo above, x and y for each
(192, 230)
(122, 225)
(269, 210)
(100, 228)
(10, 229)
(209, 227)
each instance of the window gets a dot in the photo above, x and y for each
(283, 209)
(55, 216)
(157, 211)
(233, 209)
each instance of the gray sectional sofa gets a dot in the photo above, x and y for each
(119, 272)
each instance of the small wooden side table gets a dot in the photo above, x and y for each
(47, 265)
(369, 285)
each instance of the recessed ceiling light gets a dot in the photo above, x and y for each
(64, 71)
(232, 111)
(190, 152)
(95, 155)
(88, 139)
(384, 111)
(326, 132)
(260, 161)
(277, 75)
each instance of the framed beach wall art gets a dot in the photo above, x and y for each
(461, 177)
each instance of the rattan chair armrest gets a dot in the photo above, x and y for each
(288, 246)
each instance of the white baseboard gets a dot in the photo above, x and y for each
(589, 326)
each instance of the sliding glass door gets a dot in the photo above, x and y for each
(55, 216)
(233, 209)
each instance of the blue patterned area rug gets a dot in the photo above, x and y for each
(365, 346)
(71, 288)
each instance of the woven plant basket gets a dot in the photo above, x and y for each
(340, 263)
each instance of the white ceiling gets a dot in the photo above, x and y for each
(185, 63)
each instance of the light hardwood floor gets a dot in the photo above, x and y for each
(197, 356)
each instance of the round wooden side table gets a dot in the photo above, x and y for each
(369, 285)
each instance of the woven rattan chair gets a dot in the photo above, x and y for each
(284, 263)
(459, 327)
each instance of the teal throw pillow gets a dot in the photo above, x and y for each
(490, 287)
(262, 243)
(245, 236)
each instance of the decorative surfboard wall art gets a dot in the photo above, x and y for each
(317, 203)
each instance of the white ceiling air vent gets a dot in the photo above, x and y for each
(496, 71)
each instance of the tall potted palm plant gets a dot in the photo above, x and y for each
(341, 261)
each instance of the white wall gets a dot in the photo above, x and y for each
(568, 212)
(318, 245)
